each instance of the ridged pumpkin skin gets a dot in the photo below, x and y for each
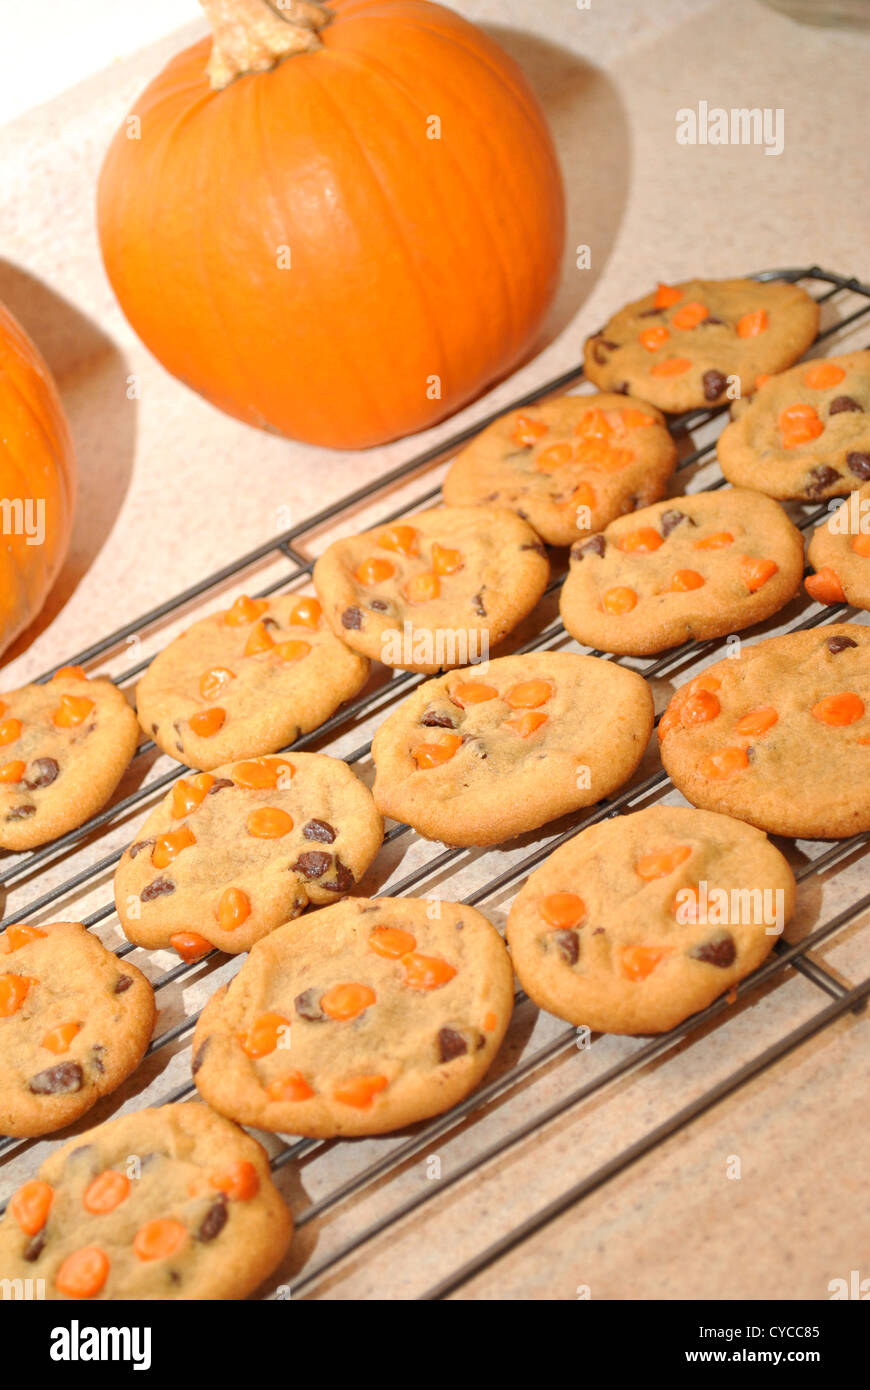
(36, 464)
(410, 257)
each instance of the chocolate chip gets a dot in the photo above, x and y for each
(214, 1220)
(313, 863)
(841, 403)
(538, 547)
(123, 983)
(379, 605)
(650, 313)
(431, 720)
(341, 881)
(199, 1056)
(600, 348)
(138, 846)
(839, 644)
(714, 384)
(43, 771)
(319, 830)
(524, 515)
(33, 1248)
(596, 545)
(21, 812)
(568, 945)
(823, 476)
(61, 1080)
(450, 1044)
(859, 464)
(84, 1151)
(307, 1005)
(672, 518)
(710, 320)
(156, 889)
(219, 784)
(621, 389)
(97, 1052)
(351, 618)
(154, 728)
(719, 950)
(478, 604)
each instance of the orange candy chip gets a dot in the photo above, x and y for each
(644, 540)
(168, 847)
(529, 694)
(640, 961)
(527, 430)
(798, 424)
(31, 1204)
(690, 315)
(563, 909)
(426, 972)
(685, 580)
(839, 710)
(207, 722)
(262, 774)
(305, 613)
(13, 772)
(190, 945)
(265, 1035)
(422, 588)
(751, 324)
(822, 375)
(755, 573)
(661, 862)
(391, 942)
(699, 707)
(472, 693)
(653, 338)
(720, 540)
(428, 755)
(212, 682)
(293, 650)
(347, 1001)
(187, 795)
(721, 766)
(15, 937)
(665, 296)
(13, 992)
(292, 1087)
(105, 1192)
(756, 722)
(58, 1039)
(524, 725)
(359, 1091)
(445, 560)
(245, 610)
(159, 1239)
(403, 539)
(239, 1182)
(619, 600)
(69, 673)
(672, 366)
(269, 823)
(10, 730)
(234, 908)
(861, 545)
(633, 419)
(374, 571)
(553, 457)
(72, 710)
(83, 1273)
(259, 640)
(825, 587)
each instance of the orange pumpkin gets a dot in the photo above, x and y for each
(37, 480)
(341, 224)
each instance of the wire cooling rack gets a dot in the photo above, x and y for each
(363, 1191)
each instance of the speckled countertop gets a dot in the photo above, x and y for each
(170, 490)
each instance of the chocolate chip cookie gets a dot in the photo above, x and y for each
(684, 345)
(779, 735)
(806, 434)
(247, 681)
(837, 552)
(568, 466)
(227, 856)
(170, 1203)
(64, 747)
(692, 567)
(642, 920)
(377, 1014)
(437, 590)
(476, 757)
(74, 1023)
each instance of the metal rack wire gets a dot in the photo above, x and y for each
(375, 701)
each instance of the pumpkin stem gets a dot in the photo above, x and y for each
(254, 35)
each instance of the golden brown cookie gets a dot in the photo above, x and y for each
(779, 735)
(688, 568)
(806, 434)
(839, 552)
(74, 1023)
(64, 747)
(226, 857)
(170, 1203)
(644, 919)
(682, 346)
(568, 466)
(479, 756)
(436, 590)
(372, 1015)
(246, 681)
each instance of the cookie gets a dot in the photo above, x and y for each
(839, 552)
(74, 1023)
(479, 756)
(568, 466)
(806, 434)
(169, 1203)
(690, 567)
(779, 735)
(228, 856)
(373, 1015)
(682, 346)
(64, 747)
(644, 919)
(247, 681)
(433, 591)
